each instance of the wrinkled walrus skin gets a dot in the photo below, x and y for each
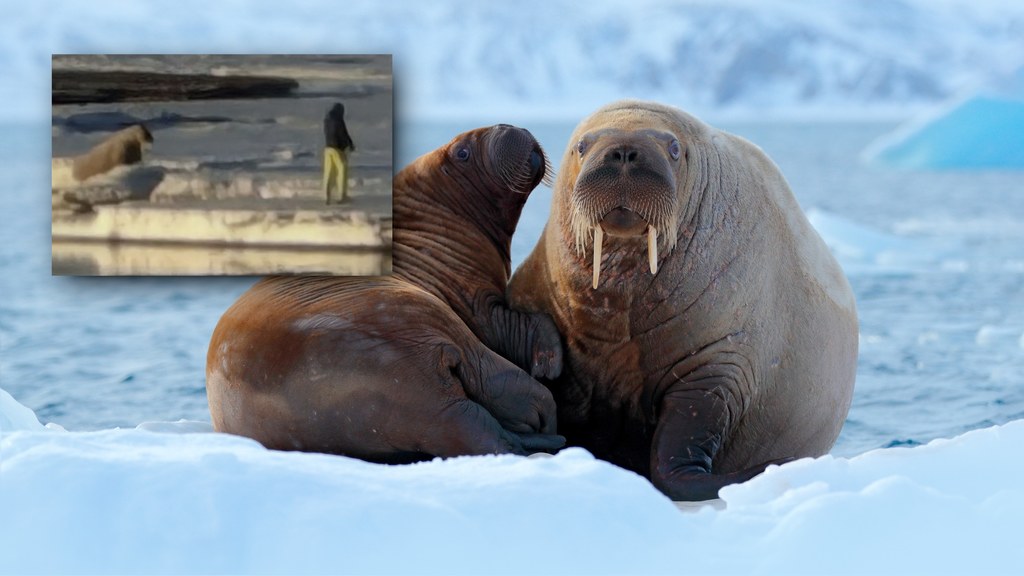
(386, 369)
(717, 334)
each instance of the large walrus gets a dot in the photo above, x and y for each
(708, 330)
(389, 369)
(120, 148)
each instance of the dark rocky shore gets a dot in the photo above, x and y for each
(85, 87)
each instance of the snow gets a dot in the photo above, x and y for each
(175, 497)
(557, 57)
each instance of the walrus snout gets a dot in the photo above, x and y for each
(523, 164)
(625, 154)
(626, 187)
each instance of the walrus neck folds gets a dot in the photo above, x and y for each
(468, 239)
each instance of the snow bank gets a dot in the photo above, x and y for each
(136, 501)
(192, 501)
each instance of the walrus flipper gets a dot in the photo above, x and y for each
(689, 435)
(519, 403)
(467, 429)
(530, 340)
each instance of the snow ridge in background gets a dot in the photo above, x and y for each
(133, 501)
(559, 57)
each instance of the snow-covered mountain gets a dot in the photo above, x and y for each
(554, 56)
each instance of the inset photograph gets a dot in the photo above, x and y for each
(202, 165)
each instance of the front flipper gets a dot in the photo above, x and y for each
(521, 405)
(530, 340)
(692, 426)
(545, 346)
(466, 428)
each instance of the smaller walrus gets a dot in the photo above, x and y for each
(389, 369)
(454, 219)
(708, 330)
(120, 148)
(337, 144)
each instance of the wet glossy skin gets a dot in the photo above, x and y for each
(367, 367)
(393, 369)
(737, 352)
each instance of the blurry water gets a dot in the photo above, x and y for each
(942, 332)
(92, 353)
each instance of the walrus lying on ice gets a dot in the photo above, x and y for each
(120, 148)
(708, 330)
(393, 369)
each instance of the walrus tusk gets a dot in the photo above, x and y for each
(598, 239)
(652, 248)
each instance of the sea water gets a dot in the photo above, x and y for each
(936, 261)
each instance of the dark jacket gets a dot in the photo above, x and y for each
(335, 132)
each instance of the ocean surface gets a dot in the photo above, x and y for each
(936, 260)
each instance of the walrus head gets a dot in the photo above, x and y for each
(142, 135)
(490, 172)
(466, 196)
(622, 173)
(507, 158)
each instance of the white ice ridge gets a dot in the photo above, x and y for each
(121, 501)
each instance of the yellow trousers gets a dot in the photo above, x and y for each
(336, 175)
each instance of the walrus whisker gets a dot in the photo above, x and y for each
(516, 178)
(580, 227)
(652, 248)
(598, 240)
(549, 172)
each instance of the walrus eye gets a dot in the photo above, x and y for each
(462, 153)
(581, 146)
(673, 149)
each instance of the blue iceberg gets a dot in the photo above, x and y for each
(985, 131)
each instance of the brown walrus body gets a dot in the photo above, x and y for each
(389, 369)
(708, 330)
(120, 148)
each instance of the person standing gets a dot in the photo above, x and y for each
(336, 148)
